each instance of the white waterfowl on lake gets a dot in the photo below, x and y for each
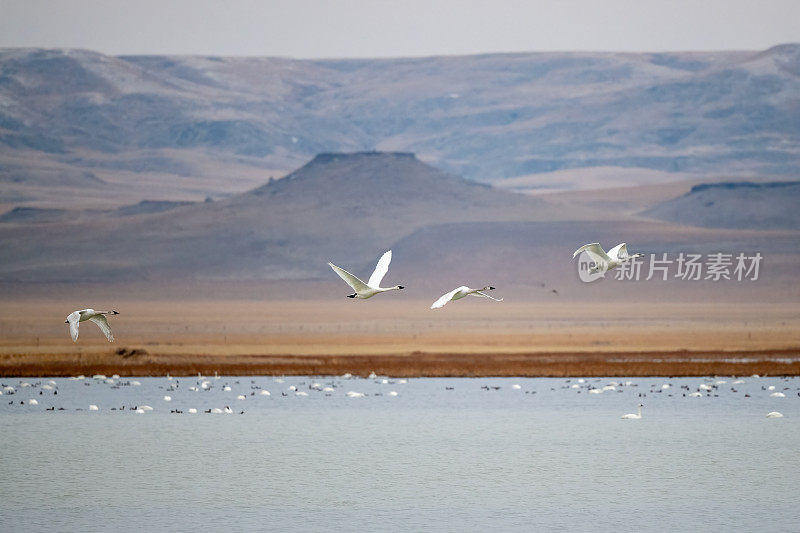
(371, 287)
(462, 292)
(774, 414)
(98, 317)
(632, 416)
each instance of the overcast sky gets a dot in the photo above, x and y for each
(378, 28)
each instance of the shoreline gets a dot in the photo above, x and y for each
(685, 363)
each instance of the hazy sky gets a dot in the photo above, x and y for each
(378, 28)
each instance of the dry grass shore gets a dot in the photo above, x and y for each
(184, 336)
(416, 364)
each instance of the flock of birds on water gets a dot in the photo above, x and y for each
(602, 262)
(241, 391)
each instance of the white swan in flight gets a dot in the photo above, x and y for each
(631, 416)
(461, 292)
(603, 261)
(98, 317)
(372, 287)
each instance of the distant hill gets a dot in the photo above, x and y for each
(146, 207)
(745, 205)
(346, 208)
(37, 215)
(196, 126)
(33, 214)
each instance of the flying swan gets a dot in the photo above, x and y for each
(604, 262)
(98, 317)
(372, 287)
(461, 292)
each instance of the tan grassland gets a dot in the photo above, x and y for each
(242, 335)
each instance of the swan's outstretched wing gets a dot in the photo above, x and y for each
(619, 252)
(476, 293)
(594, 250)
(73, 319)
(354, 282)
(102, 323)
(444, 299)
(595, 253)
(380, 270)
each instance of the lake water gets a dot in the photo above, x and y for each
(444, 454)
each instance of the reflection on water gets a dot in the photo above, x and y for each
(448, 454)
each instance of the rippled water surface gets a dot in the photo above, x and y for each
(444, 454)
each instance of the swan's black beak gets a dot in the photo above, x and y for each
(491, 288)
(66, 322)
(351, 295)
(401, 286)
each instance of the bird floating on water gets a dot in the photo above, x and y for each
(632, 416)
(462, 292)
(98, 317)
(371, 287)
